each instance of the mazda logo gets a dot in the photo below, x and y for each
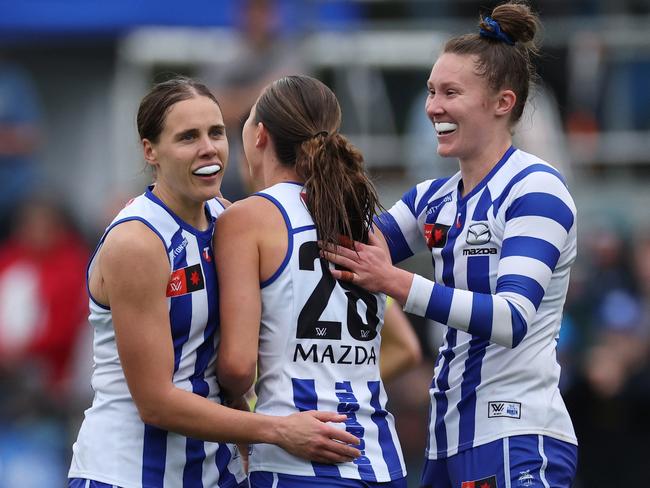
(478, 234)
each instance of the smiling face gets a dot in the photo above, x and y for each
(191, 153)
(464, 111)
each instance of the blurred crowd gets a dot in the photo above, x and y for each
(45, 346)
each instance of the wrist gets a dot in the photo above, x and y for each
(272, 433)
(419, 295)
(398, 284)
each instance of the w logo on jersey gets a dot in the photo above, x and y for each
(436, 235)
(185, 280)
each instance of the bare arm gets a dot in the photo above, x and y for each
(135, 271)
(240, 306)
(400, 348)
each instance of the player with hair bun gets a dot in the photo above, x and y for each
(502, 236)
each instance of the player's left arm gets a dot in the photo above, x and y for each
(539, 233)
(240, 307)
(539, 236)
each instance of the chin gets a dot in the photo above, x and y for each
(445, 151)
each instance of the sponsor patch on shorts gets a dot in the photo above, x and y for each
(504, 409)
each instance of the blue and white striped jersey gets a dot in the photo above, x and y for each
(114, 446)
(501, 256)
(319, 350)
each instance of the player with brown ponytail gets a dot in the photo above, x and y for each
(315, 340)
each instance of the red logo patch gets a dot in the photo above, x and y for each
(490, 482)
(185, 280)
(435, 235)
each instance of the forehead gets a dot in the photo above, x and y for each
(197, 111)
(455, 68)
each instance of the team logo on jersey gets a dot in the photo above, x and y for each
(478, 234)
(436, 235)
(185, 280)
(490, 482)
(525, 478)
(504, 409)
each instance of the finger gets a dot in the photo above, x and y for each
(350, 253)
(330, 457)
(345, 241)
(342, 436)
(338, 259)
(346, 276)
(343, 450)
(325, 416)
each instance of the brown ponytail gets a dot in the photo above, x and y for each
(505, 48)
(303, 117)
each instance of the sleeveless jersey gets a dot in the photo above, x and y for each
(114, 446)
(501, 256)
(319, 350)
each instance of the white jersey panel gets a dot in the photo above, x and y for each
(501, 257)
(319, 349)
(114, 446)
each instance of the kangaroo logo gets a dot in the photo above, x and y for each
(478, 234)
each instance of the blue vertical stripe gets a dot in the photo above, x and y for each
(478, 280)
(443, 307)
(305, 398)
(195, 449)
(153, 458)
(193, 469)
(386, 441)
(180, 311)
(222, 458)
(154, 449)
(439, 394)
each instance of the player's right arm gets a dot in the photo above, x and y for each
(134, 271)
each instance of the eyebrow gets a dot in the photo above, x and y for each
(194, 130)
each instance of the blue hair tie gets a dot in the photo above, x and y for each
(495, 32)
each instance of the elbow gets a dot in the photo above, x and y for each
(152, 413)
(414, 354)
(235, 376)
(519, 328)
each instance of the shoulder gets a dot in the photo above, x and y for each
(132, 243)
(247, 214)
(427, 191)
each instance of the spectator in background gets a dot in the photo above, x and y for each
(610, 401)
(264, 55)
(19, 137)
(42, 311)
(42, 296)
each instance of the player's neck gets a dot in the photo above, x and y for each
(473, 169)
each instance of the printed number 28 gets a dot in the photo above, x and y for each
(309, 325)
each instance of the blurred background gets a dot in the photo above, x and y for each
(72, 73)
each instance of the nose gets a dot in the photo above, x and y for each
(207, 147)
(433, 107)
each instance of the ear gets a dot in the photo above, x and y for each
(149, 152)
(506, 100)
(261, 136)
